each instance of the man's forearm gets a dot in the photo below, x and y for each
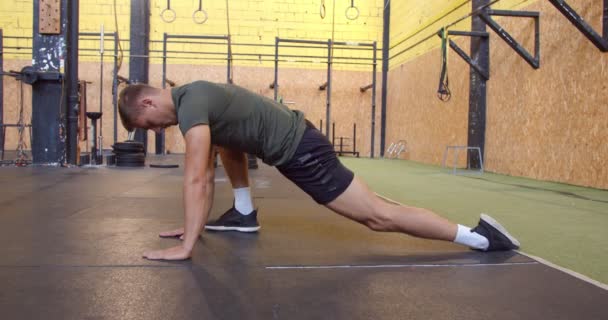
(196, 211)
(210, 191)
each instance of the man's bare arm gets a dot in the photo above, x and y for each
(196, 193)
(209, 196)
(198, 149)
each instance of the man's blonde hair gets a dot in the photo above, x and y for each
(127, 103)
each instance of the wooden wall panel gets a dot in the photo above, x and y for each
(551, 123)
(12, 100)
(90, 71)
(548, 124)
(415, 114)
(299, 89)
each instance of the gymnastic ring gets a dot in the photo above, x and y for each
(322, 11)
(170, 19)
(356, 15)
(197, 21)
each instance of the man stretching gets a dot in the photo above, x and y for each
(238, 120)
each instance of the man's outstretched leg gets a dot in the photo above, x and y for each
(358, 203)
(242, 216)
(316, 170)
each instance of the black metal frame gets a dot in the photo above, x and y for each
(328, 100)
(258, 56)
(327, 86)
(601, 42)
(50, 88)
(484, 72)
(480, 53)
(139, 51)
(19, 76)
(534, 61)
(386, 27)
(2, 90)
(374, 71)
(160, 137)
(341, 146)
(114, 37)
(71, 83)
(275, 84)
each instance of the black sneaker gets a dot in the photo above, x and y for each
(233, 220)
(497, 235)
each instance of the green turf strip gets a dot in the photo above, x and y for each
(565, 224)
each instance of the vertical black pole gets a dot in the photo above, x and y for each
(276, 68)
(164, 59)
(160, 137)
(71, 82)
(605, 19)
(50, 97)
(139, 51)
(386, 17)
(480, 54)
(374, 102)
(101, 52)
(229, 61)
(333, 133)
(115, 87)
(1, 93)
(328, 106)
(321, 125)
(354, 138)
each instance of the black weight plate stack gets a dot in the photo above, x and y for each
(111, 159)
(129, 154)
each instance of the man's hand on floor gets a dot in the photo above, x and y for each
(175, 253)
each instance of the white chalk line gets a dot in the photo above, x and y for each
(538, 259)
(445, 265)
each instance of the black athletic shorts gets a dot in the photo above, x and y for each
(315, 168)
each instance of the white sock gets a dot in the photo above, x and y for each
(242, 200)
(474, 240)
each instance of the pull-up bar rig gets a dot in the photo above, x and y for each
(275, 84)
(160, 137)
(600, 41)
(220, 40)
(114, 37)
(482, 67)
(484, 71)
(327, 86)
(82, 36)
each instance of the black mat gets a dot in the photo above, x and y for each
(71, 244)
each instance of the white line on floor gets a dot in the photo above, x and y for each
(565, 270)
(539, 259)
(447, 265)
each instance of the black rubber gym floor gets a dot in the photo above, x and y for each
(71, 242)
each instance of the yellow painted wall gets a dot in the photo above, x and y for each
(259, 22)
(16, 20)
(252, 21)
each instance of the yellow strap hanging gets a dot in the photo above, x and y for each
(443, 92)
(446, 43)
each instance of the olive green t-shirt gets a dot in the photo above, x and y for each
(240, 119)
